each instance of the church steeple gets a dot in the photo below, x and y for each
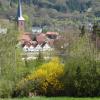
(20, 17)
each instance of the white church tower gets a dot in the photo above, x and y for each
(20, 19)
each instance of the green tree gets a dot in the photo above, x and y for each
(82, 31)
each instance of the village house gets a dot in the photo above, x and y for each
(34, 41)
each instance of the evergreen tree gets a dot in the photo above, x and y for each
(82, 29)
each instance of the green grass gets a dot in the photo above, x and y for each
(52, 98)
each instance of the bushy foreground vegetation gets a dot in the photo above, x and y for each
(44, 81)
(74, 74)
(79, 77)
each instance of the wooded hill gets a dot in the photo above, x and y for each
(64, 6)
(56, 14)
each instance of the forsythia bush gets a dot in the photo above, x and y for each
(46, 80)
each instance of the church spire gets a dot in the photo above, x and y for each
(20, 17)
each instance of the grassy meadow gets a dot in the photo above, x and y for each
(53, 98)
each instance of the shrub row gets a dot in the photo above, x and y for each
(54, 79)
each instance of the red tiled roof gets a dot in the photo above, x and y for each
(52, 33)
(27, 33)
(41, 38)
(51, 42)
(25, 37)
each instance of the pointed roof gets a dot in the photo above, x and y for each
(19, 16)
(41, 38)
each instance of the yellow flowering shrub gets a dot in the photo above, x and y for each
(46, 79)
